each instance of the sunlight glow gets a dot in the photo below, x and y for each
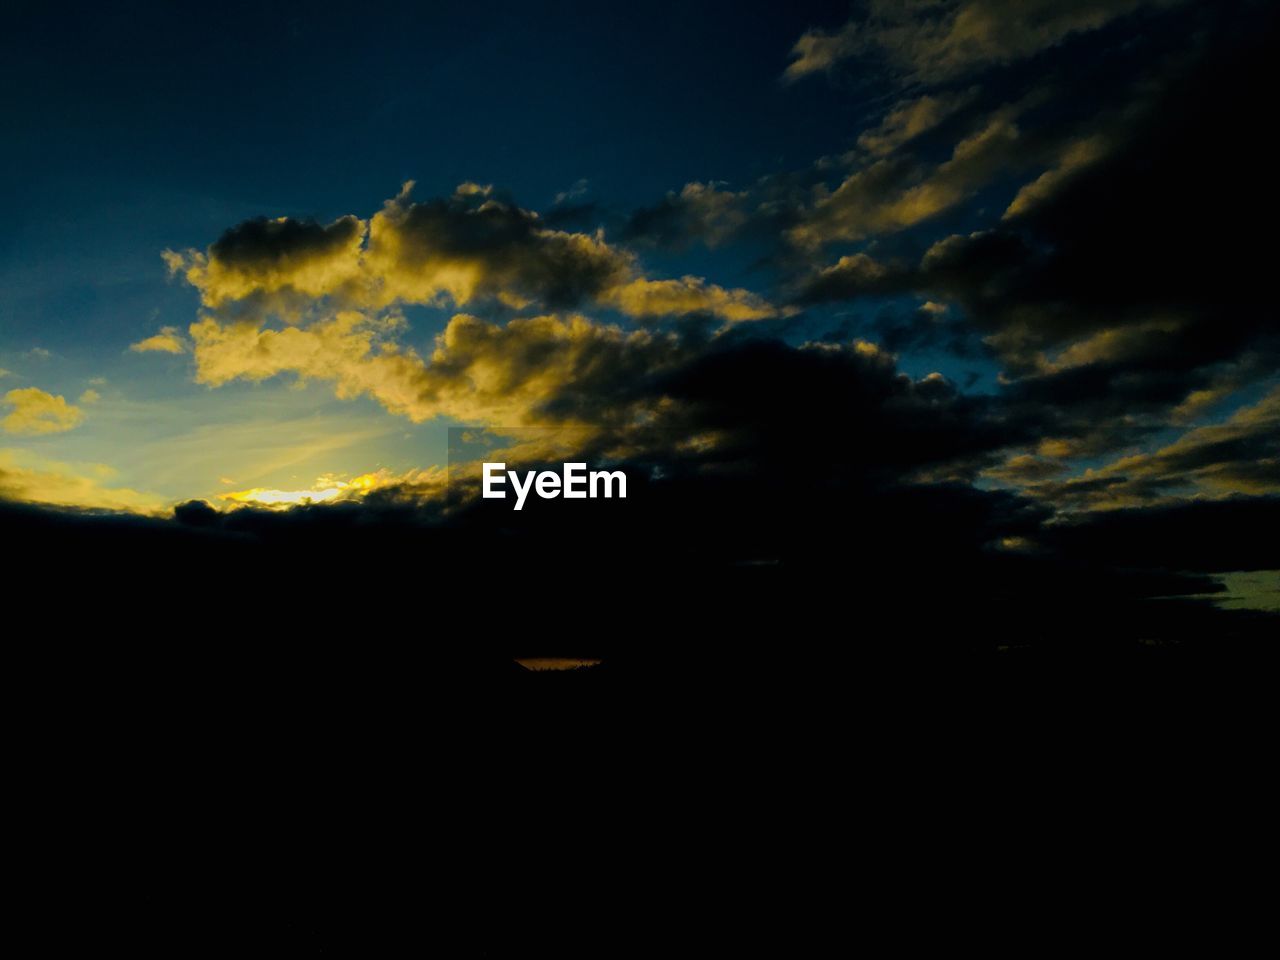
(326, 489)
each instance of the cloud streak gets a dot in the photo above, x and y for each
(932, 42)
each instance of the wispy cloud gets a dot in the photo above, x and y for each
(934, 42)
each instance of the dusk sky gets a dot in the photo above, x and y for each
(463, 463)
(266, 112)
(269, 255)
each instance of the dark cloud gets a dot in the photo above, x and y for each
(277, 264)
(1128, 289)
(706, 213)
(578, 216)
(495, 246)
(264, 244)
(848, 399)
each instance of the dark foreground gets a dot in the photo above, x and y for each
(322, 745)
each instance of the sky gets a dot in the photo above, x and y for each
(264, 255)
(133, 131)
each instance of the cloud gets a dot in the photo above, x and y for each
(473, 245)
(1240, 456)
(30, 479)
(633, 389)
(892, 194)
(642, 299)
(533, 370)
(1112, 345)
(168, 340)
(909, 119)
(578, 190)
(1221, 383)
(468, 248)
(280, 256)
(700, 213)
(1119, 293)
(1026, 469)
(351, 349)
(1076, 156)
(935, 42)
(331, 489)
(851, 275)
(36, 412)
(818, 50)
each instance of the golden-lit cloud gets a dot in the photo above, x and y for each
(659, 298)
(168, 340)
(1198, 402)
(455, 250)
(533, 370)
(351, 349)
(854, 270)
(1228, 378)
(1027, 468)
(1111, 345)
(1240, 456)
(472, 245)
(35, 412)
(1077, 155)
(31, 479)
(718, 212)
(889, 195)
(908, 120)
(272, 256)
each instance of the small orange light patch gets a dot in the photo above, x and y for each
(555, 663)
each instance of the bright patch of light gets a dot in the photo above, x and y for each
(326, 489)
